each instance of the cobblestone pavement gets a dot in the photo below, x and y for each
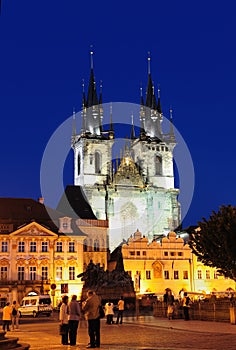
(145, 333)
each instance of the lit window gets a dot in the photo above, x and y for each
(4, 247)
(185, 275)
(3, 273)
(166, 275)
(215, 274)
(199, 274)
(65, 224)
(165, 253)
(44, 247)
(208, 274)
(180, 254)
(138, 253)
(59, 247)
(132, 252)
(172, 253)
(33, 247)
(71, 247)
(21, 247)
(44, 272)
(144, 252)
(32, 273)
(21, 273)
(148, 275)
(176, 275)
(71, 273)
(59, 273)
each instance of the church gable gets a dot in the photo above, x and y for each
(33, 230)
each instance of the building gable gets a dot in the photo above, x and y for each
(33, 230)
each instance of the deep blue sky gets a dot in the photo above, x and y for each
(44, 54)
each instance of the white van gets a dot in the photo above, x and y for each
(35, 305)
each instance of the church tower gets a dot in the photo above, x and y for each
(136, 190)
(92, 147)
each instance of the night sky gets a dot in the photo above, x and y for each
(44, 55)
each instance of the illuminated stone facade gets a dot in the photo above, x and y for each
(169, 263)
(137, 189)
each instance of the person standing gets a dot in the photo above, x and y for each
(64, 318)
(14, 316)
(6, 317)
(91, 309)
(121, 307)
(109, 312)
(74, 316)
(186, 302)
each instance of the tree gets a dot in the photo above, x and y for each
(214, 242)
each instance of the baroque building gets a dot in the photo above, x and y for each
(41, 247)
(169, 263)
(137, 188)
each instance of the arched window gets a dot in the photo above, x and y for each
(78, 164)
(97, 162)
(90, 245)
(158, 165)
(96, 245)
(85, 245)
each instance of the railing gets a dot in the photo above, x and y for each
(206, 311)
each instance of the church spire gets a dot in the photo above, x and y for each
(149, 85)
(159, 100)
(92, 99)
(74, 123)
(172, 134)
(132, 127)
(100, 109)
(111, 131)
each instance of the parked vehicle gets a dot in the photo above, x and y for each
(35, 305)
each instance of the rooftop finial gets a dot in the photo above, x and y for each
(83, 85)
(149, 62)
(91, 56)
(110, 109)
(141, 90)
(159, 91)
(74, 123)
(171, 114)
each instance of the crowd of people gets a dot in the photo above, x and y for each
(71, 313)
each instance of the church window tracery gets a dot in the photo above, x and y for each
(158, 165)
(97, 162)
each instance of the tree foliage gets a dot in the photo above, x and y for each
(215, 241)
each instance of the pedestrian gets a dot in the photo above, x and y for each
(74, 316)
(109, 313)
(14, 315)
(121, 307)
(91, 309)
(6, 317)
(169, 300)
(186, 306)
(64, 318)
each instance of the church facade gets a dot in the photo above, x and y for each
(137, 188)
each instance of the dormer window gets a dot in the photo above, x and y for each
(65, 224)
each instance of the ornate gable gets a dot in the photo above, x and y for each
(33, 230)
